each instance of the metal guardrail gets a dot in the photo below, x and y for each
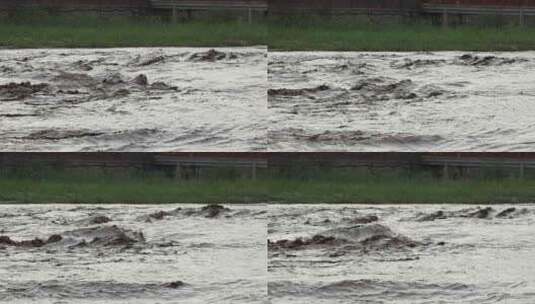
(203, 5)
(464, 163)
(347, 11)
(130, 160)
(196, 161)
(341, 159)
(100, 10)
(478, 10)
(14, 160)
(477, 163)
(174, 6)
(466, 10)
(65, 6)
(444, 161)
(206, 162)
(342, 163)
(210, 5)
(209, 162)
(174, 161)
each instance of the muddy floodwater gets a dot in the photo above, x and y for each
(401, 254)
(133, 99)
(132, 254)
(443, 101)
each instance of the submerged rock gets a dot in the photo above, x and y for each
(54, 238)
(382, 88)
(410, 64)
(151, 61)
(297, 92)
(174, 285)
(210, 55)
(208, 211)
(97, 219)
(300, 243)
(321, 222)
(110, 86)
(113, 79)
(507, 212)
(160, 215)
(5, 240)
(92, 290)
(141, 80)
(105, 236)
(351, 136)
(364, 219)
(19, 91)
(361, 233)
(479, 213)
(512, 212)
(53, 134)
(158, 85)
(213, 210)
(364, 237)
(432, 216)
(474, 60)
(338, 136)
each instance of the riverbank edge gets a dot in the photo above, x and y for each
(24, 191)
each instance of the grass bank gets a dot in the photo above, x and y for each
(89, 32)
(344, 187)
(324, 35)
(39, 29)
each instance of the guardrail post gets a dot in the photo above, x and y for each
(521, 20)
(175, 14)
(521, 170)
(178, 171)
(253, 172)
(461, 19)
(445, 18)
(445, 173)
(249, 15)
(197, 172)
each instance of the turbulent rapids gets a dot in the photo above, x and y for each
(135, 99)
(443, 101)
(132, 254)
(401, 254)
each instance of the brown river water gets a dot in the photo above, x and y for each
(242, 99)
(401, 254)
(315, 254)
(132, 254)
(133, 99)
(443, 101)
